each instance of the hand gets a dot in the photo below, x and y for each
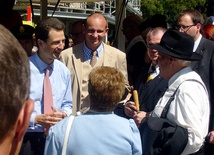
(139, 117)
(59, 113)
(211, 139)
(48, 120)
(130, 109)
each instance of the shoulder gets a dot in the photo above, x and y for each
(157, 83)
(192, 81)
(32, 57)
(67, 51)
(33, 61)
(125, 124)
(59, 63)
(59, 128)
(61, 66)
(133, 126)
(108, 47)
(71, 50)
(207, 42)
(113, 50)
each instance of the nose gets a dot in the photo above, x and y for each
(61, 45)
(95, 34)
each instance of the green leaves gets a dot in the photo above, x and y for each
(170, 8)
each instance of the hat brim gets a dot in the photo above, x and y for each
(162, 49)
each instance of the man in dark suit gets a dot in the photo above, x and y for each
(135, 47)
(190, 22)
(153, 86)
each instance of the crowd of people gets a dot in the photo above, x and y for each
(94, 82)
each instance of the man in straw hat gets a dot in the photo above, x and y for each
(190, 107)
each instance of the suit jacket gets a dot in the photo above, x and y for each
(142, 76)
(205, 68)
(151, 92)
(73, 58)
(135, 58)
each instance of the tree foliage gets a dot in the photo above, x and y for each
(170, 8)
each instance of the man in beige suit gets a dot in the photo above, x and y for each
(78, 59)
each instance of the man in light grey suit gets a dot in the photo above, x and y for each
(78, 59)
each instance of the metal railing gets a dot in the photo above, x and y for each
(106, 7)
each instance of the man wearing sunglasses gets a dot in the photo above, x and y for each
(190, 22)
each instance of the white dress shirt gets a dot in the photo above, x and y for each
(190, 108)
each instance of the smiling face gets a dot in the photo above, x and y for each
(54, 45)
(95, 30)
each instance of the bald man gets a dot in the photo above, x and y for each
(78, 59)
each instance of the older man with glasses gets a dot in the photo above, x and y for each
(190, 22)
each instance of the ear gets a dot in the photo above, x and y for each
(39, 42)
(172, 60)
(106, 33)
(198, 26)
(24, 119)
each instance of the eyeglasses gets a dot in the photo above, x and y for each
(75, 34)
(184, 28)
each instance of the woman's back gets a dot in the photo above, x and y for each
(94, 133)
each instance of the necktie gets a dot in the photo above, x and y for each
(48, 98)
(94, 58)
(151, 73)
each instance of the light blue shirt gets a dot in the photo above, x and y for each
(61, 88)
(88, 52)
(95, 134)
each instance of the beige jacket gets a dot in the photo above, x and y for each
(74, 59)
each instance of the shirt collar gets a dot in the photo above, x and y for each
(197, 43)
(157, 70)
(173, 80)
(40, 63)
(99, 50)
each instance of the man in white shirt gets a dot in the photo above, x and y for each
(190, 107)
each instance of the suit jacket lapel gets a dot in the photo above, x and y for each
(107, 56)
(200, 50)
(78, 61)
(150, 89)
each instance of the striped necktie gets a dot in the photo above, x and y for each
(48, 98)
(151, 73)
